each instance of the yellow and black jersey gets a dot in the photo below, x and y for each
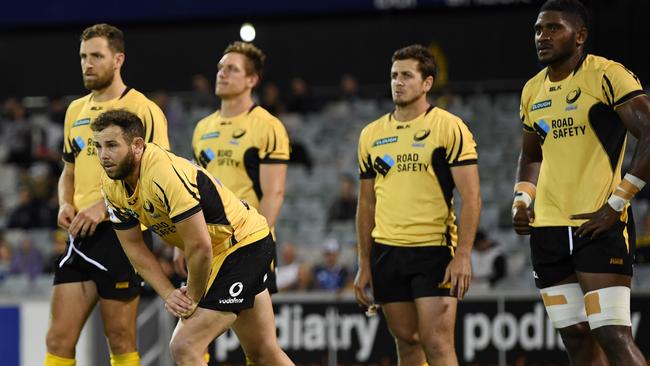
(411, 163)
(582, 137)
(78, 146)
(232, 149)
(171, 189)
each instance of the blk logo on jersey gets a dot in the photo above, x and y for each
(542, 128)
(383, 164)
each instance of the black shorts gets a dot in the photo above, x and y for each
(557, 253)
(103, 262)
(401, 274)
(271, 280)
(242, 275)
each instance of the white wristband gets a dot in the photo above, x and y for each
(637, 182)
(523, 197)
(617, 203)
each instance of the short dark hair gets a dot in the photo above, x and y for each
(572, 7)
(426, 62)
(254, 55)
(130, 123)
(113, 35)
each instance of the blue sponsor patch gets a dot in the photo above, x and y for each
(209, 153)
(211, 135)
(384, 141)
(233, 142)
(81, 122)
(541, 105)
(418, 144)
(80, 142)
(388, 159)
(543, 125)
(571, 107)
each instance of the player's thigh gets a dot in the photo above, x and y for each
(436, 319)
(402, 320)
(255, 327)
(119, 315)
(551, 251)
(70, 306)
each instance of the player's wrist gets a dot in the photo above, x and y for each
(524, 194)
(630, 185)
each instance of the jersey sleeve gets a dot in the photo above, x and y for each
(71, 147)
(366, 170)
(526, 123)
(274, 146)
(460, 146)
(155, 125)
(176, 187)
(619, 85)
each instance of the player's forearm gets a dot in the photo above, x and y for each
(527, 169)
(640, 165)
(198, 258)
(470, 211)
(66, 187)
(271, 204)
(148, 267)
(365, 224)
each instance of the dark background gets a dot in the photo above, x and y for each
(485, 46)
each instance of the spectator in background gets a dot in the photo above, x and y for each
(5, 257)
(344, 207)
(27, 260)
(642, 255)
(202, 94)
(330, 275)
(292, 275)
(300, 155)
(18, 134)
(349, 88)
(59, 238)
(31, 212)
(271, 99)
(300, 100)
(488, 261)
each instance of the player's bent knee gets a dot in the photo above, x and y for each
(60, 342)
(120, 339)
(564, 304)
(608, 306)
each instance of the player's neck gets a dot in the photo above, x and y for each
(131, 180)
(411, 111)
(111, 92)
(562, 69)
(232, 107)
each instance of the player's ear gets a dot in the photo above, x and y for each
(138, 145)
(428, 83)
(119, 59)
(581, 36)
(254, 80)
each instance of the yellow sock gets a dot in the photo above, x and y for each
(206, 357)
(249, 362)
(126, 359)
(52, 360)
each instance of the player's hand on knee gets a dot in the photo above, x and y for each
(179, 304)
(361, 284)
(597, 222)
(180, 267)
(521, 218)
(65, 215)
